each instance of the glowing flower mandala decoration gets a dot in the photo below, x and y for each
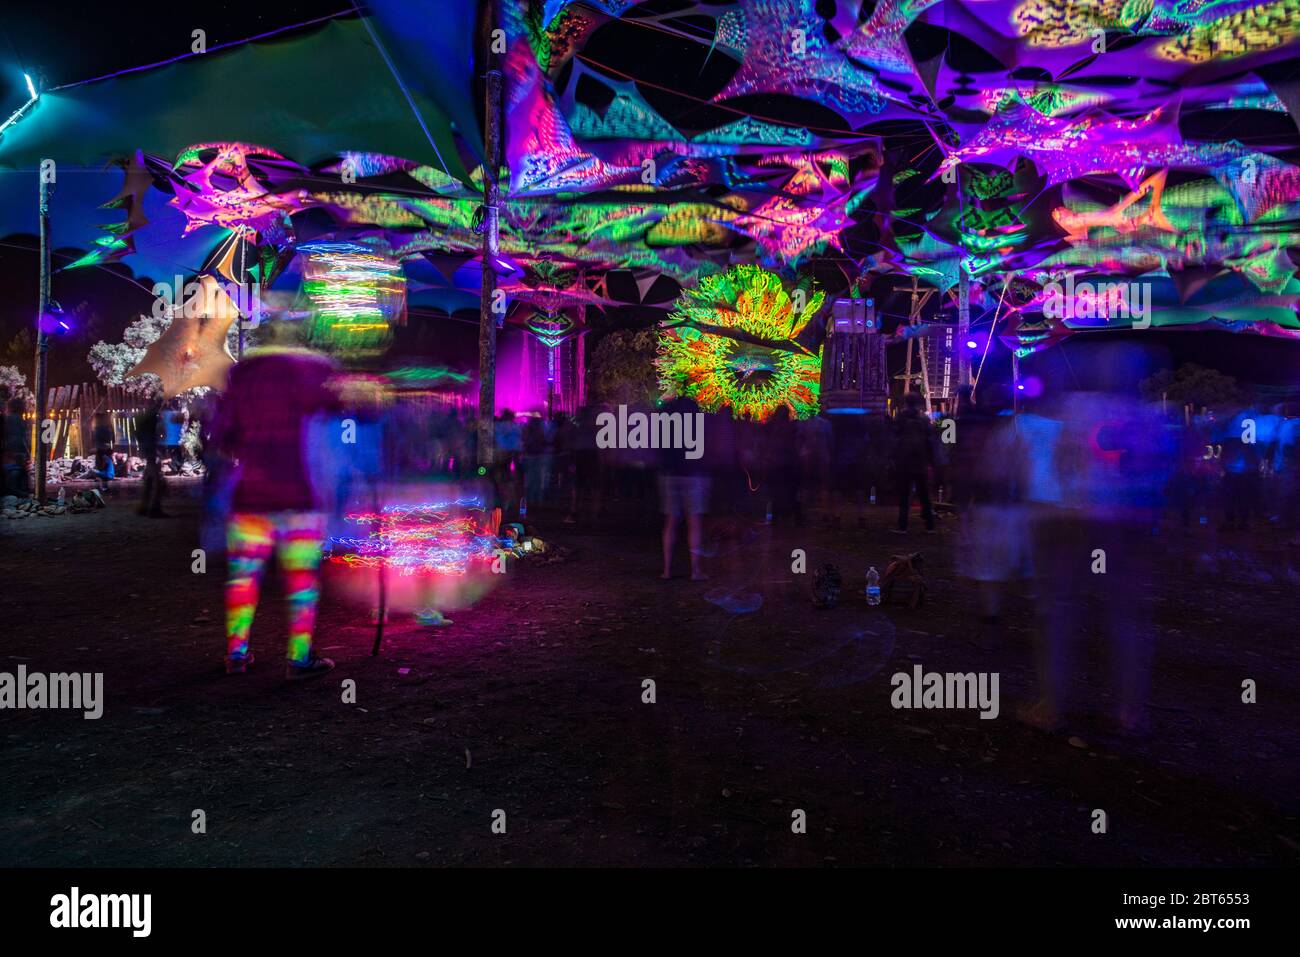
(700, 358)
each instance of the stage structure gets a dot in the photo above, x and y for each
(941, 355)
(854, 372)
(916, 339)
(554, 373)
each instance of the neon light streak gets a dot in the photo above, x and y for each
(438, 538)
(354, 293)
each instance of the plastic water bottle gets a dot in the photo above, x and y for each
(63, 494)
(873, 495)
(873, 586)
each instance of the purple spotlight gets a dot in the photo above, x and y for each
(54, 322)
(972, 344)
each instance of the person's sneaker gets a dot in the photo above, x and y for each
(898, 531)
(432, 618)
(239, 665)
(311, 668)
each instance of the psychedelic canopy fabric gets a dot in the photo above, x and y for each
(1018, 142)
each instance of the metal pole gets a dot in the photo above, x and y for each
(911, 322)
(382, 604)
(243, 281)
(963, 302)
(925, 374)
(963, 327)
(42, 342)
(1015, 383)
(487, 319)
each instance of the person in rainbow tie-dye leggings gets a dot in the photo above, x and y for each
(250, 541)
(271, 399)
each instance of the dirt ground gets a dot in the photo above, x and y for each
(531, 703)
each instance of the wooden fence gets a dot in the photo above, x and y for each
(73, 407)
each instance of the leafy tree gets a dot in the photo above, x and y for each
(622, 369)
(19, 350)
(1195, 385)
(17, 383)
(112, 361)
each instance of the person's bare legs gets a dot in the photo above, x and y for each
(670, 542)
(695, 540)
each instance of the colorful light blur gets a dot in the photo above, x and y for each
(432, 538)
(356, 295)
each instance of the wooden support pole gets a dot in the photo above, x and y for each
(487, 319)
(42, 342)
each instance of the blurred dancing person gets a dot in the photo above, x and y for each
(148, 425)
(683, 493)
(913, 456)
(1286, 465)
(849, 454)
(780, 465)
(1242, 487)
(1098, 473)
(103, 438)
(993, 521)
(271, 398)
(535, 461)
(15, 451)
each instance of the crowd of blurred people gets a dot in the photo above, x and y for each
(1065, 491)
(1068, 496)
(1212, 471)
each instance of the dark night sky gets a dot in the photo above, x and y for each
(83, 39)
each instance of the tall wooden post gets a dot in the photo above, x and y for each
(487, 319)
(919, 299)
(42, 342)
